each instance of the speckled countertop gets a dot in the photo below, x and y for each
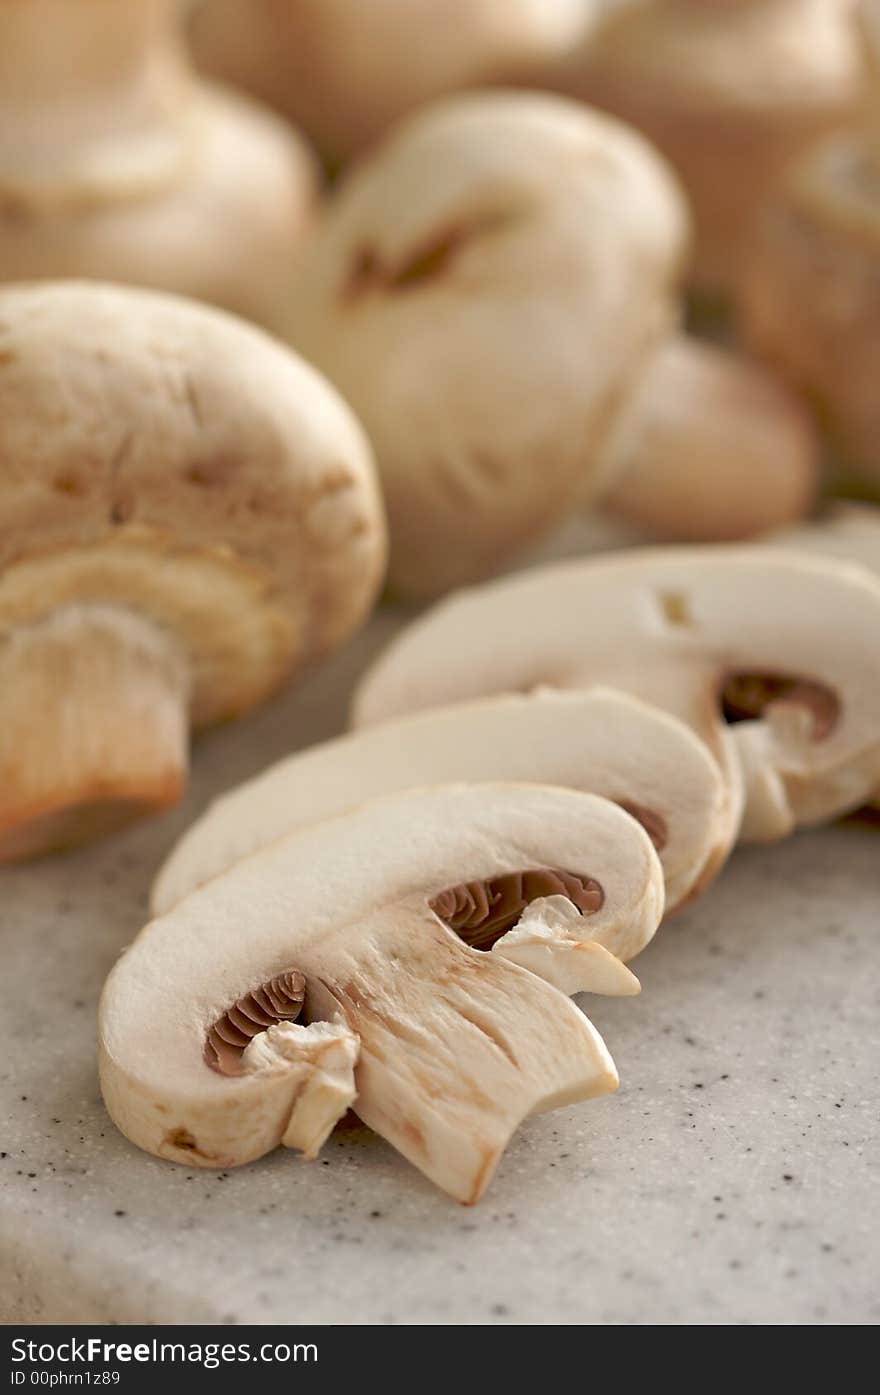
(733, 1179)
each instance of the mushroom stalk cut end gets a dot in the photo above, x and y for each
(95, 726)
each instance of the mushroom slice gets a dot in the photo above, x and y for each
(456, 1046)
(189, 513)
(788, 645)
(597, 740)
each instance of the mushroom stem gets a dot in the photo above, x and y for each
(66, 64)
(709, 447)
(94, 704)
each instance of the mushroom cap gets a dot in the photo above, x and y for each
(173, 460)
(712, 448)
(720, 54)
(345, 70)
(599, 740)
(730, 92)
(456, 1046)
(116, 165)
(482, 289)
(675, 626)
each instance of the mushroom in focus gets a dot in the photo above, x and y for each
(490, 289)
(773, 658)
(811, 284)
(387, 926)
(190, 515)
(346, 70)
(117, 164)
(729, 90)
(597, 740)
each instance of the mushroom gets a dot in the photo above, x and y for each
(811, 284)
(117, 164)
(785, 644)
(189, 515)
(488, 290)
(345, 71)
(597, 740)
(849, 532)
(375, 922)
(729, 91)
(709, 448)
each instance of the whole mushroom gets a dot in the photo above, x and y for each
(400, 929)
(117, 164)
(346, 70)
(730, 90)
(493, 290)
(785, 645)
(190, 514)
(811, 285)
(597, 740)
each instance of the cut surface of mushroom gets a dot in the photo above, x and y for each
(116, 164)
(678, 627)
(601, 741)
(189, 514)
(454, 1047)
(345, 70)
(730, 92)
(483, 289)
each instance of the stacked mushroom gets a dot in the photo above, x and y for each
(495, 292)
(810, 287)
(115, 163)
(356, 912)
(730, 90)
(190, 514)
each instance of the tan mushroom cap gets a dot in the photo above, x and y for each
(711, 448)
(792, 642)
(483, 289)
(116, 164)
(598, 740)
(456, 1046)
(345, 70)
(187, 508)
(729, 90)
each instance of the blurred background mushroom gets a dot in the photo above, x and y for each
(347, 70)
(729, 90)
(117, 163)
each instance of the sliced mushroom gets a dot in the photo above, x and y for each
(189, 514)
(599, 741)
(786, 645)
(346, 70)
(494, 292)
(730, 92)
(377, 911)
(849, 532)
(116, 164)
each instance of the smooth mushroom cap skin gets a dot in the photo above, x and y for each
(117, 164)
(150, 445)
(600, 741)
(482, 289)
(731, 93)
(457, 1046)
(188, 511)
(674, 626)
(711, 448)
(345, 70)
